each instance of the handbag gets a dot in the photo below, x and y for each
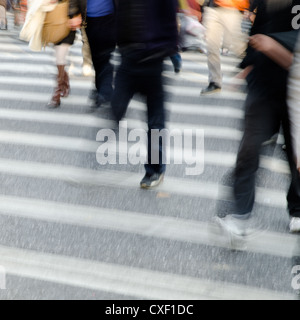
(55, 27)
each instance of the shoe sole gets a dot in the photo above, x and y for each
(294, 231)
(211, 92)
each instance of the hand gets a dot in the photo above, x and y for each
(75, 23)
(262, 43)
(244, 74)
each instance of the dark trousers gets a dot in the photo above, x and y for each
(101, 33)
(145, 78)
(262, 120)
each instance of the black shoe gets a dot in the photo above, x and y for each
(99, 102)
(153, 181)
(272, 140)
(93, 95)
(211, 89)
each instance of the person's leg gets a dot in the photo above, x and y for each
(214, 36)
(293, 196)
(234, 38)
(101, 36)
(86, 54)
(261, 120)
(153, 89)
(124, 90)
(63, 87)
(3, 20)
(177, 62)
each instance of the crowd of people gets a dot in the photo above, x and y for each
(19, 7)
(146, 32)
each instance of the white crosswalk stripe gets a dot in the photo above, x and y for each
(88, 200)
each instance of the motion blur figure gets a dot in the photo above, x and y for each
(32, 32)
(98, 18)
(294, 112)
(3, 20)
(146, 33)
(223, 21)
(267, 65)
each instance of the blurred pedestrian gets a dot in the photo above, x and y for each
(32, 32)
(266, 108)
(3, 19)
(147, 33)
(294, 111)
(192, 32)
(223, 21)
(20, 10)
(87, 67)
(99, 21)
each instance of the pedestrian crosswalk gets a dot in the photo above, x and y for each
(68, 223)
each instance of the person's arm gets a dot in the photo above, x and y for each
(76, 11)
(272, 49)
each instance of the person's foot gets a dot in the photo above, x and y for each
(178, 66)
(152, 181)
(93, 95)
(211, 89)
(177, 63)
(3, 26)
(272, 140)
(99, 101)
(234, 230)
(87, 70)
(295, 225)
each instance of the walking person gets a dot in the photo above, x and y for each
(266, 108)
(32, 32)
(3, 19)
(147, 34)
(87, 67)
(223, 21)
(99, 19)
(294, 112)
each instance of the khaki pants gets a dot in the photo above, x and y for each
(223, 27)
(2, 17)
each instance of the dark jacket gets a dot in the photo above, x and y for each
(267, 78)
(148, 26)
(77, 7)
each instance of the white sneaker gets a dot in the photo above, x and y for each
(87, 70)
(233, 225)
(236, 231)
(295, 225)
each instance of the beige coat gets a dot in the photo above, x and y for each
(32, 29)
